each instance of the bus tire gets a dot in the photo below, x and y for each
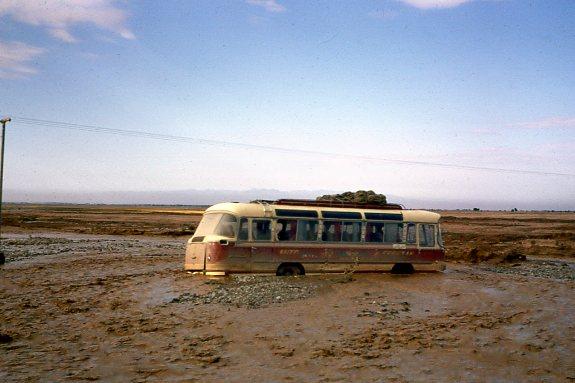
(290, 269)
(402, 268)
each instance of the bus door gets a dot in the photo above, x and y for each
(240, 252)
(261, 245)
(239, 257)
(427, 239)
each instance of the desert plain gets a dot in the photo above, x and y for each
(98, 293)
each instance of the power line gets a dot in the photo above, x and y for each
(174, 138)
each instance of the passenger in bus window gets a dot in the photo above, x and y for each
(307, 230)
(374, 232)
(351, 232)
(313, 227)
(261, 230)
(331, 231)
(327, 233)
(280, 231)
(287, 229)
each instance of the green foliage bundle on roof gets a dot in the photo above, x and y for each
(360, 196)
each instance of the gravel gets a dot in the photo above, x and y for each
(19, 248)
(253, 291)
(551, 269)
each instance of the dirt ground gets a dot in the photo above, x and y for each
(80, 302)
(536, 234)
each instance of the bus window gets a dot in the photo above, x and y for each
(227, 226)
(393, 233)
(307, 230)
(286, 229)
(243, 232)
(331, 231)
(262, 230)
(351, 232)
(427, 235)
(411, 233)
(374, 232)
(207, 224)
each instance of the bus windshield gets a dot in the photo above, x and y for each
(217, 224)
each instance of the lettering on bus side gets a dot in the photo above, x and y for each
(289, 251)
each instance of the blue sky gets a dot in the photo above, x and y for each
(480, 83)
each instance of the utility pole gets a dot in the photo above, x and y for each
(3, 121)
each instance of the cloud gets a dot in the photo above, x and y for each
(548, 123)
(58, 16)
(15, 57)
(434, 4)
(63, 35)
(268, 5)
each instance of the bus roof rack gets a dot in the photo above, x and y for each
(335, 203)
(263, 201)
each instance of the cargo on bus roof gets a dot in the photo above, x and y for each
(332, 203)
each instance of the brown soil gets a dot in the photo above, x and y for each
(478, 236)
(102, 219)
(78, 307)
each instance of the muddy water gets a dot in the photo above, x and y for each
(121, 309)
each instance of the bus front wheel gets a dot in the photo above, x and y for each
(290, 269)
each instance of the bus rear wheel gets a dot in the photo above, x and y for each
(402, 268)
(290, 269)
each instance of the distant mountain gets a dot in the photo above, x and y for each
(176, 197)
(211, 196)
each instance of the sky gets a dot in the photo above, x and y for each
(457, 82)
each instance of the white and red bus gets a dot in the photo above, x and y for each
(294, 237)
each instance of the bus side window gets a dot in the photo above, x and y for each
(411, 233)
(426, 235)
(331, 231)
(393, 233)
(286, 229)
(243, 232)
(374, 232)
(307, 230)
(261, 230)
(351, 232)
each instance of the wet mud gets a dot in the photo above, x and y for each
(79, 307)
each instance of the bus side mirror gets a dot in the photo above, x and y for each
(224, 242)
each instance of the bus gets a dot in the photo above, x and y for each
(295, 237)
